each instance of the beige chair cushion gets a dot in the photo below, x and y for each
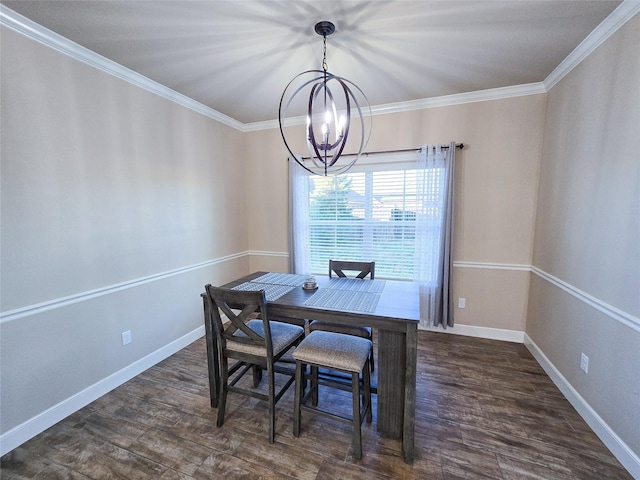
(282, 334)
(334, 350)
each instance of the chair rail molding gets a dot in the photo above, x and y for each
(493, 266)
(265, 253)
(52, 304)
(609, 310)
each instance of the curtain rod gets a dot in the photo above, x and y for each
(381, 152)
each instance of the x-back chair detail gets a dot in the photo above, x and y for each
(364, 269)
(254, 343)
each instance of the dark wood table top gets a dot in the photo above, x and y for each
(398, 304)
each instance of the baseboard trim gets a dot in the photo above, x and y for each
(32, 427)
(480, 332)
(627, 457)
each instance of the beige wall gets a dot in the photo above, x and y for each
(496, 180)
(588, 233)
(104, 186)
(267, 200)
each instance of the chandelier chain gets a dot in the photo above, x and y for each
(324, 55)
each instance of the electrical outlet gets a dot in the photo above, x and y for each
(126, 337)
(584, 363)
(462, 302)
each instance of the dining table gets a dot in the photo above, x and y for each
(390, 307)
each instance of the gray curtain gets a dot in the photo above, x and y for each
(434, 234)
(299, 243)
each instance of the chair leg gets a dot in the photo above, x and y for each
(357, 434)
(303, 383)
(257, 376)
(272, 404)
(297, 399)
(222, 400)
(371, 361)
(314, 385)
(367, 393)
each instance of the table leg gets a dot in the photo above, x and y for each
(397, 354)
(391, 382)
(408, 431)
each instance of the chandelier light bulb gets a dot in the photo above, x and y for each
(341, 123)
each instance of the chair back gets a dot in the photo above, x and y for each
(363, 268)
(248, 304)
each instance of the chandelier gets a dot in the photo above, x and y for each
(334, 115)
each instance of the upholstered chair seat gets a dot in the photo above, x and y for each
(343, 353)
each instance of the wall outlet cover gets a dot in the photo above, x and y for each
(584, 363)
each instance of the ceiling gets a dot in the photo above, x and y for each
(237, 57)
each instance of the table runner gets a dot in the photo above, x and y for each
(355, 285)
(272, 292)
(349, 300)
(281, 279)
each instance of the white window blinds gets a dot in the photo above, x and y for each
(367, 215)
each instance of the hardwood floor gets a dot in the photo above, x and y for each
(485, 409)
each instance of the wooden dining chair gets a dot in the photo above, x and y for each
(346, 354)
(362, 270)
(256, 344)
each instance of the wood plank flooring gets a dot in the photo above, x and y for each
(485, 410)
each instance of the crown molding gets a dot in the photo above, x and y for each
(13, 20)
(461, 98)
(424, 103)
(621, 15)
(37, 32)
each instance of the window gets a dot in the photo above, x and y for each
(397, 211)
(371, 215)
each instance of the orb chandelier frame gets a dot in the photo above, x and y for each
(333, 112)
